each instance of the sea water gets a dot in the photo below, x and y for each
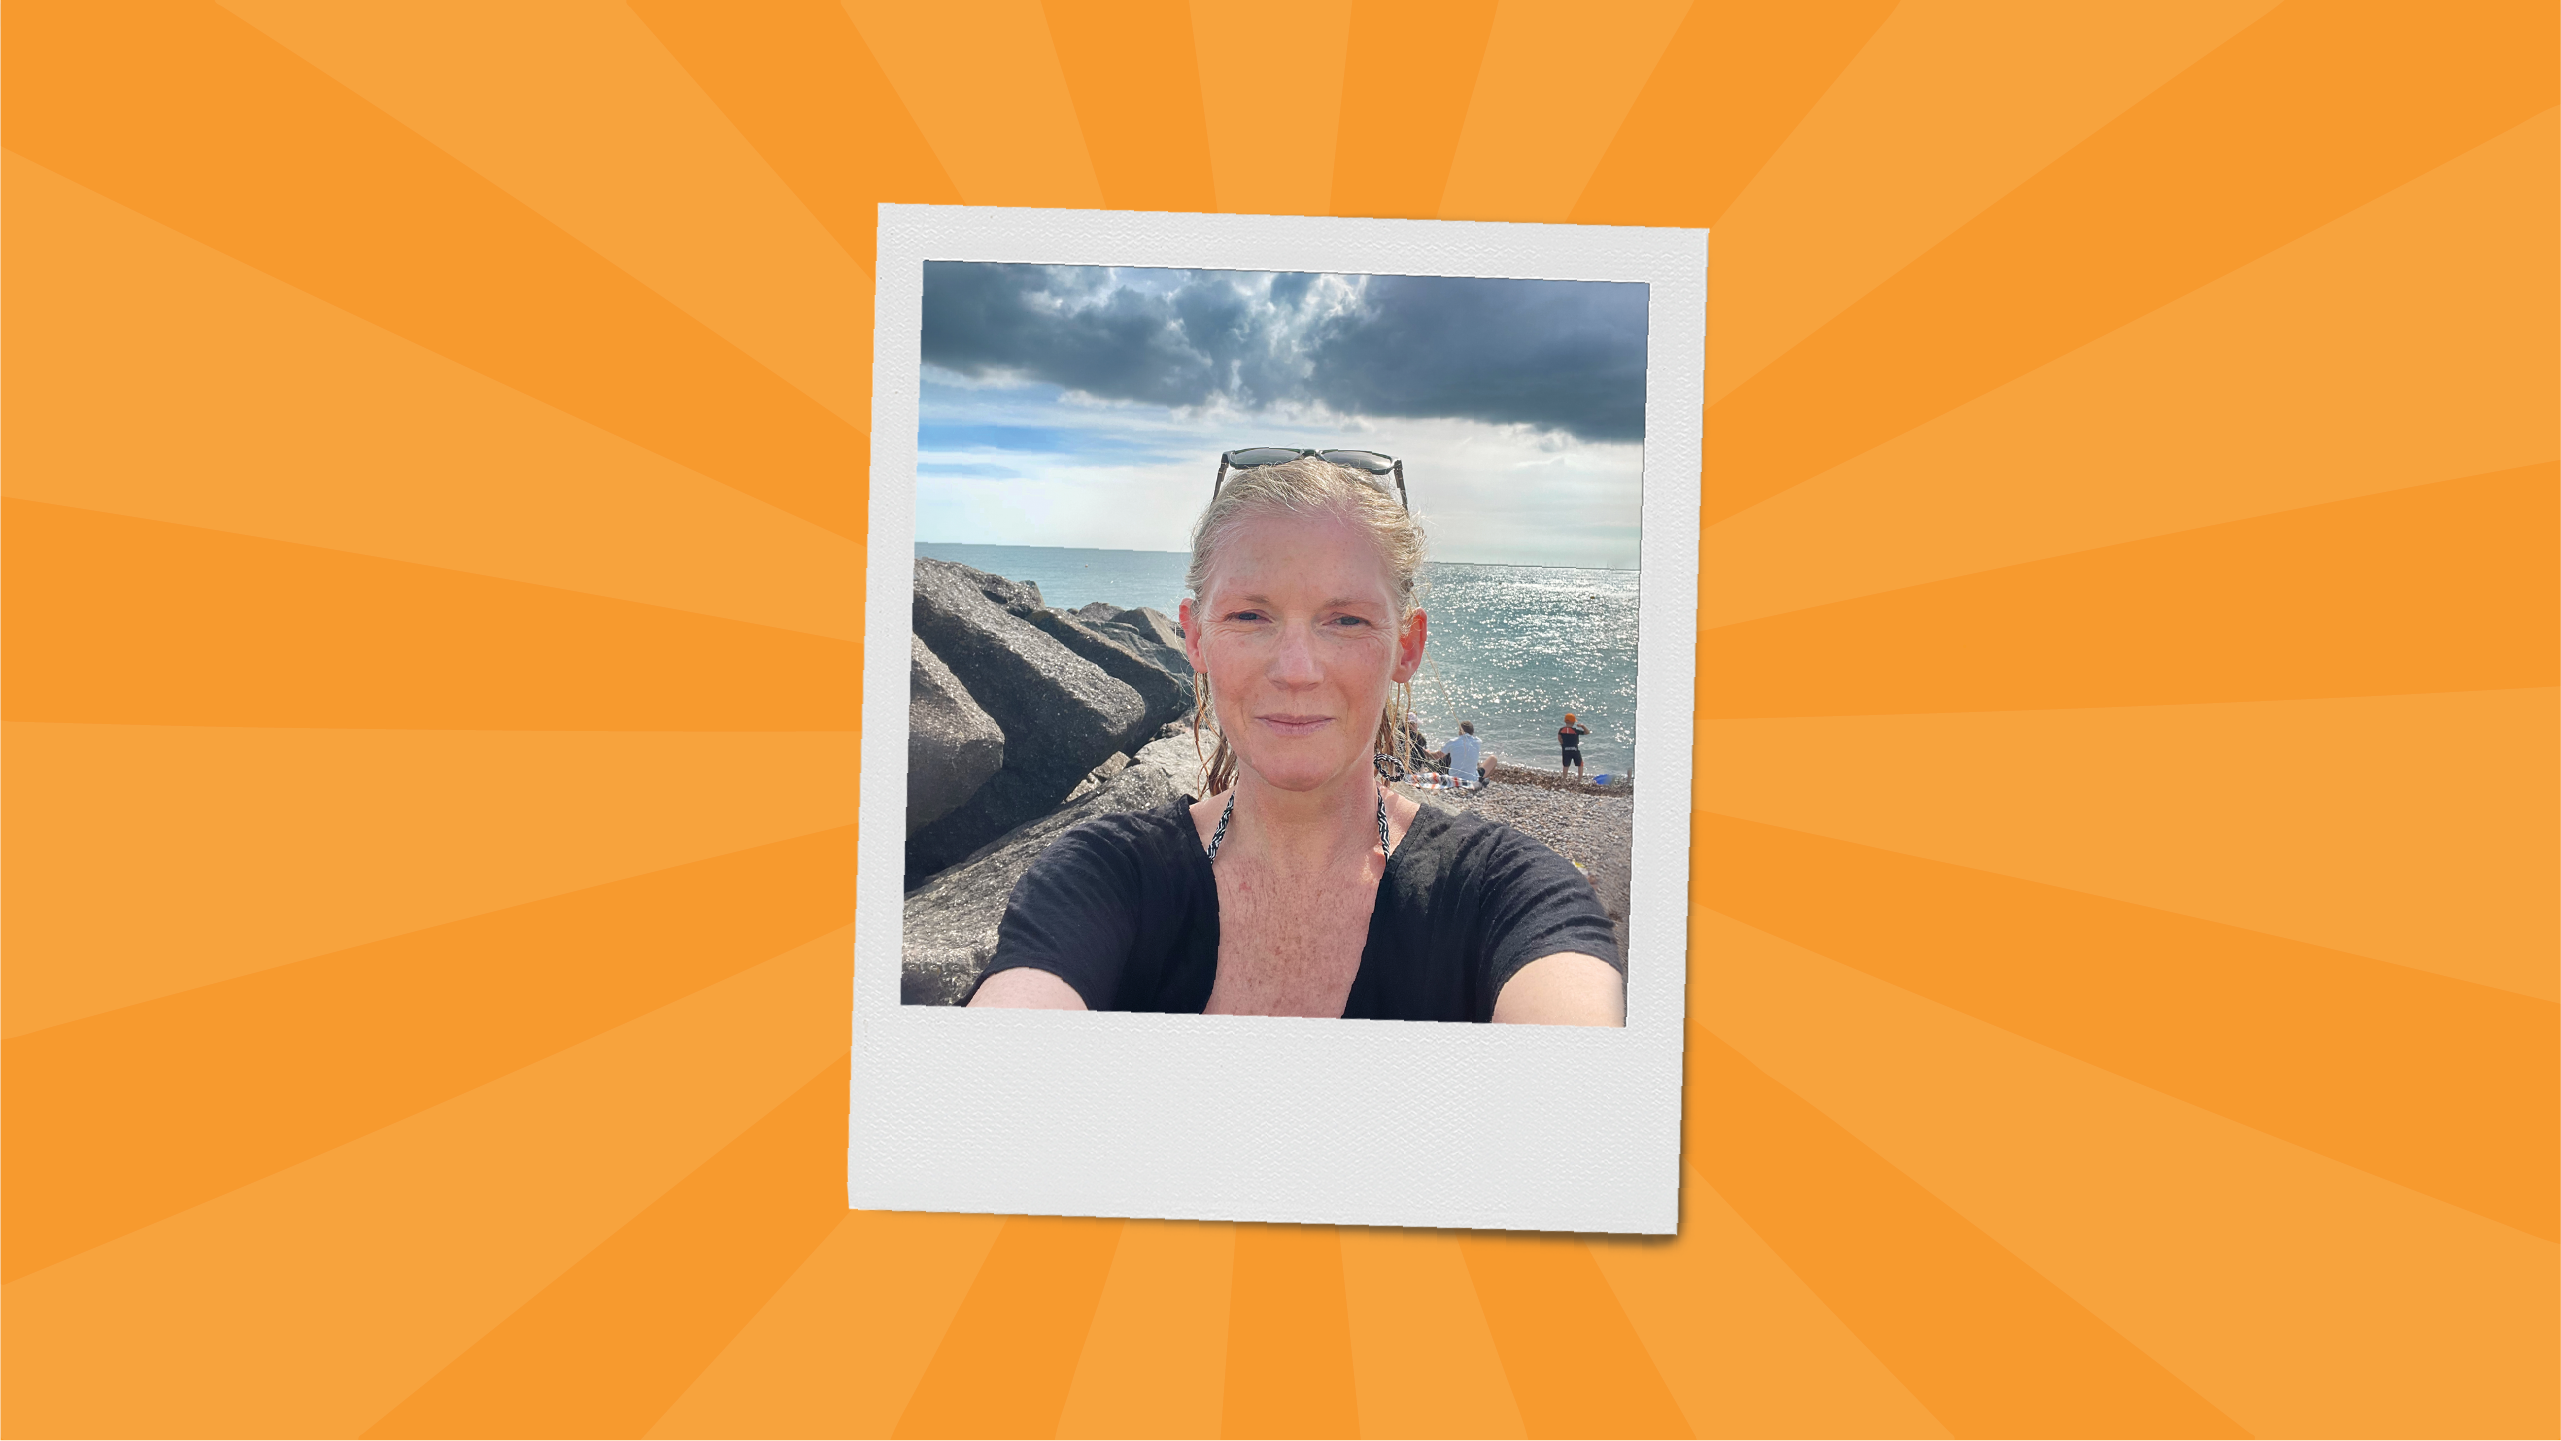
(1511, 647)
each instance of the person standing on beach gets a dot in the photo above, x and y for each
(1569, 737)
(1463, 752)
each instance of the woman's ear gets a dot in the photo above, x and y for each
(1189, 620)
(1409, 646)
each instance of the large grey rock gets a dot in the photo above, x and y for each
(1117, 650)
(951, 922)
(1098, 777)
(1021, 597)
(1131, 638)
(952, 745)
(1154, 624)
(1061, 713)
(1095, 612)
(1173, 754)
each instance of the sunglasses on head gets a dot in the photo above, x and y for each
(1379, 468)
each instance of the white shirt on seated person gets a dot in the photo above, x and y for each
(1464, 752)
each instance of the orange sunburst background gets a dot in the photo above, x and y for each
(2123, 988)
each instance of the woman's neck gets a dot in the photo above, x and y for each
(1309, 830)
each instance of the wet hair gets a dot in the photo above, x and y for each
(1307, 488)
(1467, 728)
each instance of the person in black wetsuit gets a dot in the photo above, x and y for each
(1569, 737)
(1300, 885)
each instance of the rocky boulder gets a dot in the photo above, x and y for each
(1095, 612)
(1020, 597)
(1061, 714)
(1097, 778)
(1173, 754)
(1171, 657)
(1155, 625)
(1116, 650)
(952, 745)
(951, 921)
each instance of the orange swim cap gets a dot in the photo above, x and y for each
(1569, 717)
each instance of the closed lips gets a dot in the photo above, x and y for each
(1294, 724)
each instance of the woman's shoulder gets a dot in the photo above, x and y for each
(1156, 828)
(1470, 841)
(1117, 851)
(1153, 840)
(1527, 895)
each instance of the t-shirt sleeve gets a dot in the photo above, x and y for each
(1074, 914)
(1536, 904)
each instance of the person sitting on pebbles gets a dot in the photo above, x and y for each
(1462, 755)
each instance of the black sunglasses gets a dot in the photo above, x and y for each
(1381, 468)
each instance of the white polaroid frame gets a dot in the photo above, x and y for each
(1252, 1118)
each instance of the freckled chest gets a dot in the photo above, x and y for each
(1290, 943)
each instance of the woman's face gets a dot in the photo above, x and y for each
(1299, 637)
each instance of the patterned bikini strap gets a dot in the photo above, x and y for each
(1218, 837)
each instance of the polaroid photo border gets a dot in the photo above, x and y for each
(1239, 1118)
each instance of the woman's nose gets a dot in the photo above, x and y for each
(1294, 662)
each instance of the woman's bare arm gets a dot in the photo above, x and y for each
(1026, 989)
(1565, 989)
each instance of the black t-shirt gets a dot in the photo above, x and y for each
(1125, 909)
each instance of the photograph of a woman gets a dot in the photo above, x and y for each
(1301, 884)
(1261, 730)
(1232, 875)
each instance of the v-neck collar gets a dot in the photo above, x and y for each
(1370, 967)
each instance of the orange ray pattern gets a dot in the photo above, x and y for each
(2450, 1088)
(113, 620)
(1743, 73)
(119, 1119)
(2439, 587)
(2313, 111)
(1992, 1348)
(1134, 74)
(801, 85)
(610, 1345)
(1408, 79)
(1024, 1321)
(1289, 1351)
(260, 1176)
(194, 119)
(1575, 1365)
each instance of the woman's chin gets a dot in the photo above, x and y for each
(1298, 772)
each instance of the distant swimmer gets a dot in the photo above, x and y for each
(1569, 738)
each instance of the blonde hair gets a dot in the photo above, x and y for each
(1307, 488)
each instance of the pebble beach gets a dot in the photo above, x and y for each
(1591, 825)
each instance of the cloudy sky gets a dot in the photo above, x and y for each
(1083, 406)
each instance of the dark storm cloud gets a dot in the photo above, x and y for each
(1562, 355)
(1559, 355)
